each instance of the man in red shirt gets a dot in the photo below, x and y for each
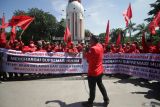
(113, 48)
(2, 38)
(79, 46)
(94, 57)
(72, 50)
(133, 49)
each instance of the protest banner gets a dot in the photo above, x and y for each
(141, 65)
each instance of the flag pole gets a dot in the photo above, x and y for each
(26, 28)
(21, 34)
(3, 13)
(130, 33)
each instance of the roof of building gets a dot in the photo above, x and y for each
(74, 0)
(75, 6)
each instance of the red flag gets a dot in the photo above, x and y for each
(152, 28)
(67, 34)
(154, 23)
(13, 34)
(24, 24)
(4, 25)
(3, 33)
(129, 12)
(22, 21)
(157, 19)
(3, 37)
(19, 20)
(144, 42)
(126, 17)
(118, 39)
(16, 19)
(107, 34)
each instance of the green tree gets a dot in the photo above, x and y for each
(130, 29)
(19, 12)
(114, 35)
(155, 8)
(42, 27)
(102, 37)
(140, 29)
(87, 33)
(61, 28)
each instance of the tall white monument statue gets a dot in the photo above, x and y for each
(75, 19)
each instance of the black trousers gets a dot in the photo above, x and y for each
(92, 88)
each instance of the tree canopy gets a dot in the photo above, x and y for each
(44, 25)
(155, 8)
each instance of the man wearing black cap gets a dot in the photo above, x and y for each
(94, 57)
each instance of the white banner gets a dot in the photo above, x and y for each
(41, 62)
(140, 65)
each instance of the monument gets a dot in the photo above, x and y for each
(75, 19)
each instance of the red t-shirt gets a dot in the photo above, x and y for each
(26, 49)
(153, 49)
(80, 48)
(73, 50)
(95, 59)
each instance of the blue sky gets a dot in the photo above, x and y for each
(96, 15)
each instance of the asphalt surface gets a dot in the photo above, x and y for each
(71, 90)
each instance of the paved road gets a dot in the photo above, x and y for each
(71, 91)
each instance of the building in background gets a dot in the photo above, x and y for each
(75, 19)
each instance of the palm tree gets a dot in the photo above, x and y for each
(130, 28)
(155, 9)
(114, 34)
(140, 29)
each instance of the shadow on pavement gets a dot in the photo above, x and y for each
(153, 86)
(63, 104)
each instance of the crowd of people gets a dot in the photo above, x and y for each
(133, 47)
(70, 47)
(42, 46)
(74, 48)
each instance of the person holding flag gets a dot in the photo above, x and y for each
(2, 32)
(22, 21)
